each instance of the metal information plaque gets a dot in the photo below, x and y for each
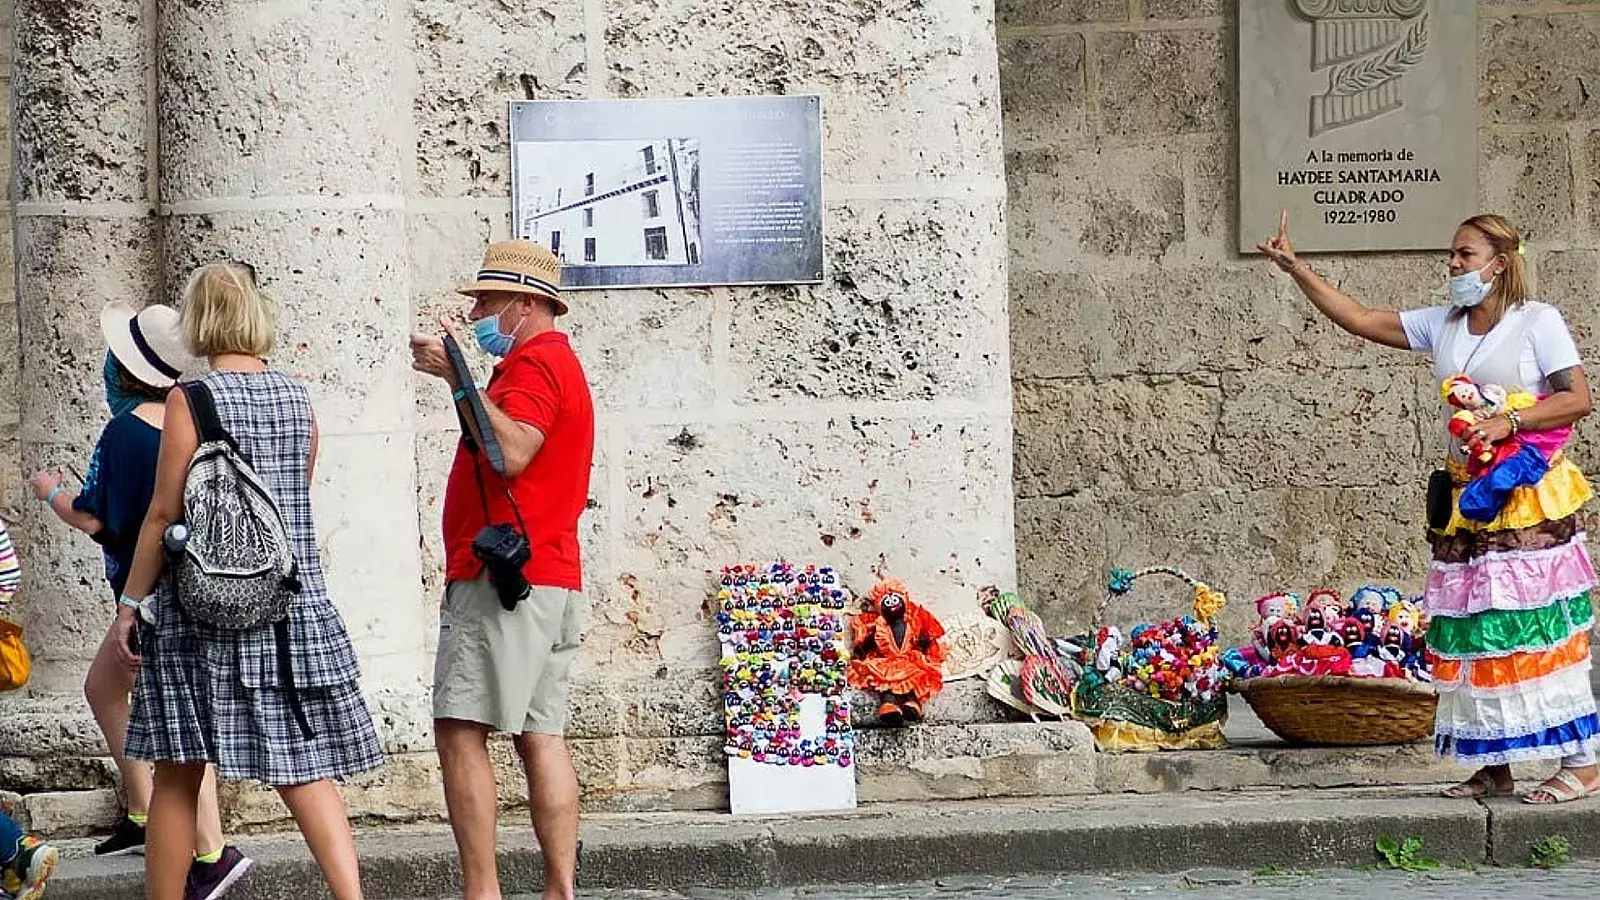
(1360, 118)
(672, 193)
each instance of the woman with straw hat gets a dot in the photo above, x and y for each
(145, 359)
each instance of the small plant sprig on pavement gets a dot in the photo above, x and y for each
(1551, 852)
(1405, 855)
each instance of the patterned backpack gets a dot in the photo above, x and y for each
(236, 568)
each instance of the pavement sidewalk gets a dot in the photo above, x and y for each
(893, 842)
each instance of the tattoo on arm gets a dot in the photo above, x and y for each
(1562, 380)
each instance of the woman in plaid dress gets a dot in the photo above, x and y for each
(208, 695)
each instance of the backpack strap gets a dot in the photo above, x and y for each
(280, 635)
(206, 421)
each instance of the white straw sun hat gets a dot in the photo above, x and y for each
(148, 343)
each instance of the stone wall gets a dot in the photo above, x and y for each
(10, 344)
(1176, 403)
(863, 423)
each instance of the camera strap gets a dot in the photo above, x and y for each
(478, 433)
(483, 495)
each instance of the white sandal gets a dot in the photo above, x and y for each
(1563, 787)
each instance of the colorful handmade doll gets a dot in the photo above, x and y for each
(1269, 609)
(1323, 611)
(897, 650)
(1280, 605)
(1333, 606)
(1283, 644)
(1322, 649)
(1353, 632)
(1371, 603)
(1393, 651)
(1408, 616)
(1463, 393)
(1519, 461)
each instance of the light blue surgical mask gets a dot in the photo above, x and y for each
(1469, 289)
(494, 342)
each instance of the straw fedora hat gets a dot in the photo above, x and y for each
(148, 343)
(521, 267)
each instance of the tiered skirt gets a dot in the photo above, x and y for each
(1511, 609)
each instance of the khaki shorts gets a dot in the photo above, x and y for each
(511, 671)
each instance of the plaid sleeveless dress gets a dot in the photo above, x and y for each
(209, 695)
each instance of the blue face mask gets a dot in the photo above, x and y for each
(494, 342)
(117, 399)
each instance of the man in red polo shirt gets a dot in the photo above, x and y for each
(509, 670)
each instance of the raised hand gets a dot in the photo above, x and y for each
(1278, 247)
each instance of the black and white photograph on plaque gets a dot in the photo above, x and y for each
(613, 203)
(671, 193)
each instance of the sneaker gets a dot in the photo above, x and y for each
(128, 837)
(209, 881)
(25, 876)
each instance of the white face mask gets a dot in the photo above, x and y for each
(1469, 289)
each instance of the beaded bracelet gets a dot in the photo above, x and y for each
(1515, 418)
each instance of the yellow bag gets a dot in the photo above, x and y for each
(15, 666)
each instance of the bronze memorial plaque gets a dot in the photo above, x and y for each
(1360, 118)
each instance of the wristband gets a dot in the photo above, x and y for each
(50, 498)
(460, 396)
(129, 602)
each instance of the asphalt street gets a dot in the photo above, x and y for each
(1574, 882)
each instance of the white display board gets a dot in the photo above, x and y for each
(784, 641)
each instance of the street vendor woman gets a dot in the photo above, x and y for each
(1509, 597)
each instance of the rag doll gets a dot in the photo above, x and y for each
(1323, 611)
(1370, 603)
(1270, 610)
(897, 650)
(1472, 407)
(1495, 471)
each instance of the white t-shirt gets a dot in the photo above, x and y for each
(1547, 346)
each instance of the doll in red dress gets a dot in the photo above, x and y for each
(897, 650)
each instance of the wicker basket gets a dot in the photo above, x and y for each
(1341, 711)
(1126, 720)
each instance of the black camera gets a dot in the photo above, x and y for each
(504, 552)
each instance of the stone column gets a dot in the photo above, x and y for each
(84, 234)
(864, 422)
(284, 130)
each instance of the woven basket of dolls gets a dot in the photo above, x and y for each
(1161, 686)
(1340, 711)
(1337, 674)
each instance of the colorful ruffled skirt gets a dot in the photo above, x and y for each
(1511, 608)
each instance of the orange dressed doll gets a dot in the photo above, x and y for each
(897, 650)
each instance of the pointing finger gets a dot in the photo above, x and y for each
(1283, 222)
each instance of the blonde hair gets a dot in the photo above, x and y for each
(1512, 285)
(225, 312)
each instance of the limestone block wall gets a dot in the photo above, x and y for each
(357, 155)
(864, 422)
(1178, 403)
(10, 347)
